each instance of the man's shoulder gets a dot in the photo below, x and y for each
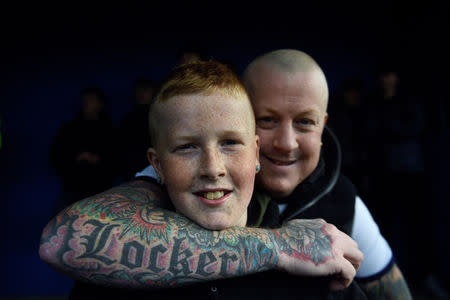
(344, 191)
(345, 182)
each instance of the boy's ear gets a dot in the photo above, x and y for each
(153, 159)
(257, 151)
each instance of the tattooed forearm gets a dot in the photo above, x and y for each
(389, 287)
(116, 239)
(125, 238)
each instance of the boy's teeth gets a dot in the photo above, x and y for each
(214, 195)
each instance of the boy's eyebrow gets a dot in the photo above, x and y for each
(231, 132)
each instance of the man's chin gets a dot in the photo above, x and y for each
(277, 188)
(280, 193)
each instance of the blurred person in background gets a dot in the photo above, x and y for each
(133, 132)
(82, 153)
(348, 111)
(395, 129)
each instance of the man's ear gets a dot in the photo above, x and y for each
(325, 119)
(153, 159)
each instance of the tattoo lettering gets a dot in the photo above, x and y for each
(224, 266)
(154, 258)
(175, 260)
(132, 255)
(203, 264)
(96, 241)
(112, 240)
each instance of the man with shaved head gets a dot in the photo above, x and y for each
(299, 178)
(300, 163)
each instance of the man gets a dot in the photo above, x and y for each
(300, 163)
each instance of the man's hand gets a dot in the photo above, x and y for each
(316, 248)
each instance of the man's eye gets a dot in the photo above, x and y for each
(265, 119)
(230, 142)
(265, 122)
(305, 122)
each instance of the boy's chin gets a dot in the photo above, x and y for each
(215, 222)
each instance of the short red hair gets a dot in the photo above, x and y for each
(201, 77)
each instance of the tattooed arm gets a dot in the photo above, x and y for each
(392, 285)
(124, 238)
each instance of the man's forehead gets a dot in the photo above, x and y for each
(289, 86)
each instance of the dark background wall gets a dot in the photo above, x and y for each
(49, 53)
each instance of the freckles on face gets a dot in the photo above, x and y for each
(208, 158)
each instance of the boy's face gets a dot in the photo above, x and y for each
(206, 155)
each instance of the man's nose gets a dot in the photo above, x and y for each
(213, 165)
(285, 138)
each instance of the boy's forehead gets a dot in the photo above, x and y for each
(217, 107)
(208, 98)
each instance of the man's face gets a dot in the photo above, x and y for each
(290, 116)
(206, 155)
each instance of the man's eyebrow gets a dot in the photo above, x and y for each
(305, 112)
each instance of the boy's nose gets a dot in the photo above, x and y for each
(213, 166)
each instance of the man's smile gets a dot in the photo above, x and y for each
(281, 162)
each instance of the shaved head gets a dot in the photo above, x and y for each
(286, 62)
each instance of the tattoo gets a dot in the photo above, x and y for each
(120, 238)
(390, 286)
(306, 239)
(124, 238)
(138, 217)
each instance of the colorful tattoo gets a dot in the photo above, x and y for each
(306, 239)
(391, 286)
(124, 238)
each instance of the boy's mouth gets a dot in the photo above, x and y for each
(213, 195)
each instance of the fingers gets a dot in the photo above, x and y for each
(347, 255)
(344, 245)
(342, 280)
(355, 259)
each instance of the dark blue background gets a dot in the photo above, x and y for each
(49, 53)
